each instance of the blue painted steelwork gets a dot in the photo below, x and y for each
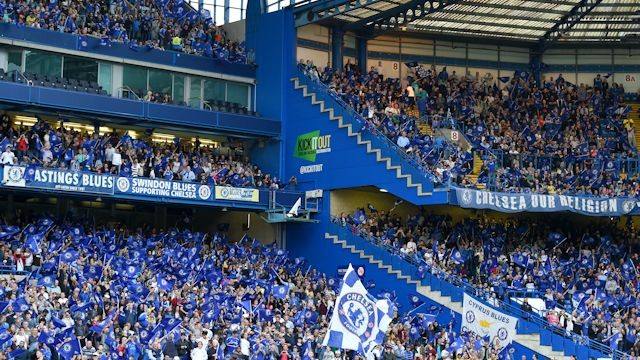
(10, 33)
(136, 112)
(337, 44)
(566, 22)
(361, 49)
(402, 14)
(322, 10)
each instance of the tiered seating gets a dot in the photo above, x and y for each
(559, 138)
(167, 25)
(116, 293)
(586, 277)
(120, 154)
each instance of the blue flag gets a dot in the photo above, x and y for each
(457, 257)
(69, 349)
(29, 173)
(280, 291)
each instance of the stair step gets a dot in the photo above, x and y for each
(369, 148)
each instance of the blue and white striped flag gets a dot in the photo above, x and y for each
(359, 321)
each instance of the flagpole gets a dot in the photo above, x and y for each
(416, 308)
(560, 243)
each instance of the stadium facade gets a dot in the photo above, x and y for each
(317, 149)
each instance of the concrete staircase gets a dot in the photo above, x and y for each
(475, 172)
(635, 116)
(531, 341)
(397, 169)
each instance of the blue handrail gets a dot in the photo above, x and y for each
(361, 125)
(441, 275)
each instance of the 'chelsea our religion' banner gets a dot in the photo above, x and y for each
(520, 202)
(484, 321)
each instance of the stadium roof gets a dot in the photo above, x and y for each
(539, 22)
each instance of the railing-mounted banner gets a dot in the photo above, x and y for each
(163, 188)
(237, 194)
(527, 202)
(60, 180)
(156, 190)
(485, 321)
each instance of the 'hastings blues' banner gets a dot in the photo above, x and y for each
(59, 180)
(524, 202)
(163, 188)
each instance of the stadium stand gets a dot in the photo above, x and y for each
(463, 180)
(168, 25)
(586, 278)
(43, 145)
(141, 293)
(573, 138)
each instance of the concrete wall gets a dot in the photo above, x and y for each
(582, 65)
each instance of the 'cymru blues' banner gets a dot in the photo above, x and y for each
(524, 202)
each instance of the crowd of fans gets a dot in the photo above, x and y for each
(153, 24)
(90, 291)
(586, 276)
(43, 145)
(556, 138)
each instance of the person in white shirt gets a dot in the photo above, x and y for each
(116, 159)
(245, 346)
(21, 339)
(108, 153)
(7, 157)
(199, 352)
(403, 140)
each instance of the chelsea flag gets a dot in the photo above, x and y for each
(359, 321)
(483, 320)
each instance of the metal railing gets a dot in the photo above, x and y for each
(378, 138)
(502, 305)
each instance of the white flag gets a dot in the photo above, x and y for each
(294, 210)
(483, 321)
(359, 321)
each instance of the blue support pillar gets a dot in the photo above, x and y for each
(535, 63)
(362, 54)
(337, 44)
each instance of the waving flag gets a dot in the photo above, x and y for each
(69, 349)
(415, 300)
(457, 257)
(69, 256)
(556, 237)
(280, 291)
(32, 242)
(359, 321)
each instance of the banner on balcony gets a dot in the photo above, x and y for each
(59, 180)
(237, 194)
(163, 188)
(523, 202)
(484, 321)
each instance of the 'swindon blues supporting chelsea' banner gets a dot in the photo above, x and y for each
(519, 202)
(359, 321)
(484, 321)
